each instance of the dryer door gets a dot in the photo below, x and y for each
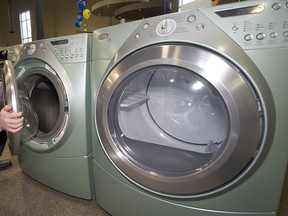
(179, 120)
(16, 95)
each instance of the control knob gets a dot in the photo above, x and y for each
(166, 27)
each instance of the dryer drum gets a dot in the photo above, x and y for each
(177, 125)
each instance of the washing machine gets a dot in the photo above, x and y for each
(49, 82)
(190, 114)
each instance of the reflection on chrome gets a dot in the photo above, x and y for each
(197, 85)
(258, 9)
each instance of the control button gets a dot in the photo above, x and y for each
(191, 18)
(276, 6)
(248, 37)
(31, 49)
(260, 36)
(285, 34)
(145, 26)
(103, 36)
(137, 36)
(200, 26)
(235, 28)
(273, 35)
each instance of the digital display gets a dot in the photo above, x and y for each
(241, 11)
(59, 42)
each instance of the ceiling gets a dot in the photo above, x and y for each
(133, 9)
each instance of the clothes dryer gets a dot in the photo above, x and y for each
(190, 116)
(50, 82)
(106, 42)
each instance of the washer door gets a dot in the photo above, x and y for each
(49, 99)
(179, 120)
(16, 95)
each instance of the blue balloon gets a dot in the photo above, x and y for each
(80, 17)
(77, 24)
(81, 5)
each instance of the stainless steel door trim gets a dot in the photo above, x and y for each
(33, 72)
(11, 97)
(243, 106)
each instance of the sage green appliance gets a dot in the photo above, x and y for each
(52, 77)
(190, 116)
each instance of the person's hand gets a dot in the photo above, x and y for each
(11, 121)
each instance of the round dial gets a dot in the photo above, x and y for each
(31, 49)
(166, 27)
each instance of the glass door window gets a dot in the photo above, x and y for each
(172, 112)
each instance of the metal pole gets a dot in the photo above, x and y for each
(39, 20)
(10, 17)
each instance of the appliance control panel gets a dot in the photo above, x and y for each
(253, 24)
(67, 49)
(72, 48)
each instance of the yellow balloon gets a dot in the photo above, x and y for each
(86, 14)
(214, 2)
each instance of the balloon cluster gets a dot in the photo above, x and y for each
(85, 13)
